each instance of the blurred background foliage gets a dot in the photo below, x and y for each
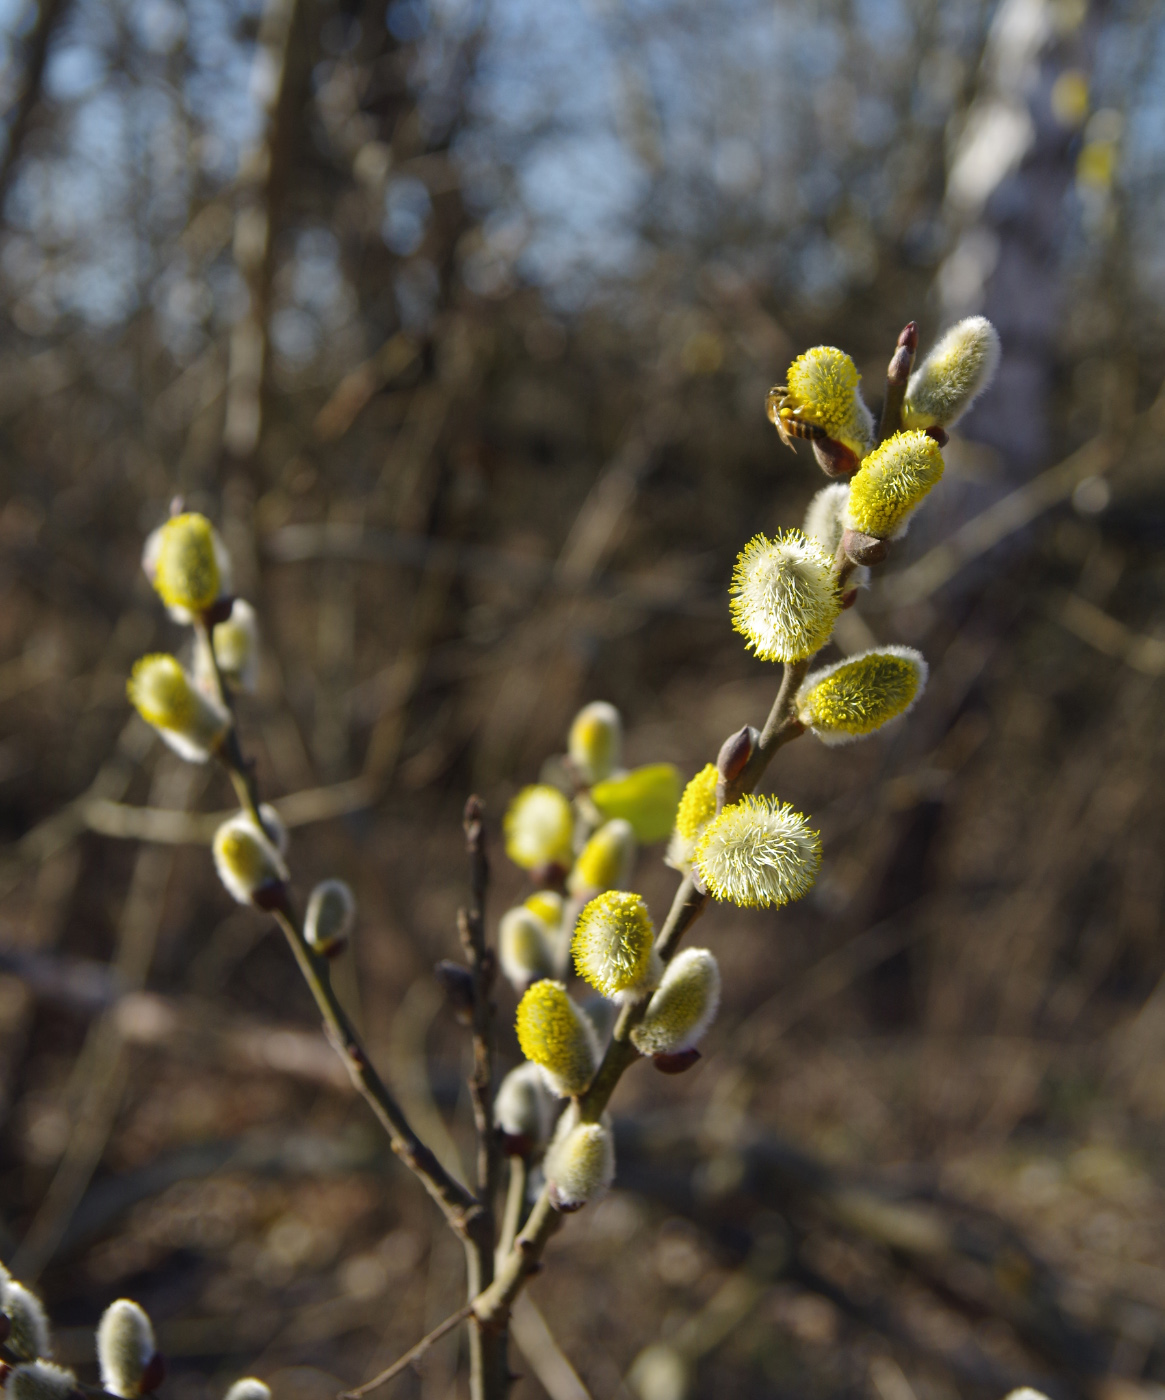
(458, 319)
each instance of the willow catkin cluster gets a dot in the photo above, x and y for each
(891, 482)
(613, 943)
(822, 388)
(854, 697)
(785, 597)
(556, 1036)
(953, 375)
(758, 852)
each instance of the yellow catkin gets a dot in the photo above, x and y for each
(604, 863)
(613, 942)
(758, 851)
(891, 482)
(859, 695)
(785, 597)
(698, 804)
(683, 1008)
(538, 826)
(166, 697)
(186, 571)
(823, 389)
(953, 375)
(647, 797)
(557, 1037)
(580, 1165)
(596, 737)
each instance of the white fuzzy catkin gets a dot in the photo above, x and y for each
(249, 1388)
(683, 1007)
(581, 1162)
(39, 1380)
(953, 375)
(247, 860)
(125, 1347)
(758, 851)
(523, 1106)
(785, 598)
(331, 912)
(525, 948)
(28, 1336)
(595, 741)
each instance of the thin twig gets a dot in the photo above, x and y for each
(413, 1354)
(897, 377)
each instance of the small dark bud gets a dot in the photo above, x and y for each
(678, 1062)
(271, 897)
(849, 598)
(550, 876)
(516, 1144)
(219, 611)
(154, 1374)
(899, 369)
(940, 435)
(863, 549)
(908, 336)
(735, 753)
(474, 811)
(834, 458)
(457, 983)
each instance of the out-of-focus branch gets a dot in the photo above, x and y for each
(49, 14)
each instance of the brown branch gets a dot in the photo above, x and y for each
(413, 1354)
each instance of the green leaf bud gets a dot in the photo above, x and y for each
(683, 1007)
(248, 1389)
(854, 697)
(953, 375)
(647, 797)
(614, 942)
(39, 1380)
(580, 1164)
(785, 597)
(760, 852)
(523, 1110)
(331, 912)
(187, 563)
(605, 862)
(697, 808)
(596, 740)
(28, 1335)
(125, 1348)
(822, 389)
(248, 861)
(556, 1036)
(167, 698)
(236, 646)
(525, 948)
(891, 482)
(539, 828)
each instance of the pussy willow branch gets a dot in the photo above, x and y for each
(458, 1204)
(414, 1353)
(689, 903)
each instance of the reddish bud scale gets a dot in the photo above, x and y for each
(154, 1374)
(940, 435)
(834, 458)
(676, 1063)
(271, 897)
(219, 611)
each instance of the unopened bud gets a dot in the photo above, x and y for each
(863, 549)
(125, 1349)
(39, 1380)
(524, 947)
(168, 699)
(683, 1006)
(614, 944)
(596, 738)
(539, 827)
(605, 862)
(580, 1165)
(555, 1035)
(676, 1061)
(523, 1110)
(646, 797)
(735, 752)
(236, 646)
(28, 1327)
(331, 912)
(248, 862)
(457, 982)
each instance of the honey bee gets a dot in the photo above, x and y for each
(785, 420)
